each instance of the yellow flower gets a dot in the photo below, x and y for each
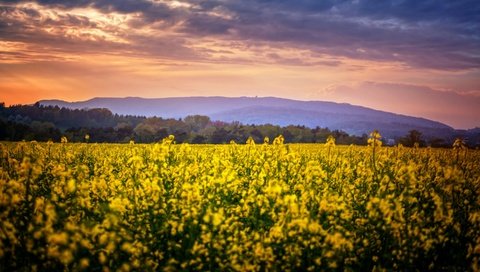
(330, 141)
(84, 263)
(375, 139)
(250, 141)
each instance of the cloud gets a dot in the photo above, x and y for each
(71, 33)
(439, 41)
(419, 34)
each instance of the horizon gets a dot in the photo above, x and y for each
(220, 96)
(233, 97)
(412, 58)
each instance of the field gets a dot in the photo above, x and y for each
(238, 207)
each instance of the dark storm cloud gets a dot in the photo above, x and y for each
(431, 34)
(467, 11)
(427, 34)
(207, 25)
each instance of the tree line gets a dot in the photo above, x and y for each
(44, 123)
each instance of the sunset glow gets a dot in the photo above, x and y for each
(419, 58)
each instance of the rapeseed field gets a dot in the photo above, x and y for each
(238, 207)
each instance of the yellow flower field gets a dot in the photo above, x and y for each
(237, 207)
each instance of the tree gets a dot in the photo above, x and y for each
(144, 133)
(413, 136)
(219, 136)
(197, 122)
(438, 142)
(199, 139)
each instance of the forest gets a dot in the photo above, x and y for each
(44, 123)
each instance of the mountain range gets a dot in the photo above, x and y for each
(355, 120)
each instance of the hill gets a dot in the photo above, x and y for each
(352, 119)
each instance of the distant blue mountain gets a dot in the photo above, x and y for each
(352, 119)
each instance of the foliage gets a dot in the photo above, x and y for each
(23, 122)
(240, 207)
(414, 137)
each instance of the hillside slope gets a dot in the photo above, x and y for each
(355, 120)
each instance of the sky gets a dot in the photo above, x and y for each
(419, 58)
